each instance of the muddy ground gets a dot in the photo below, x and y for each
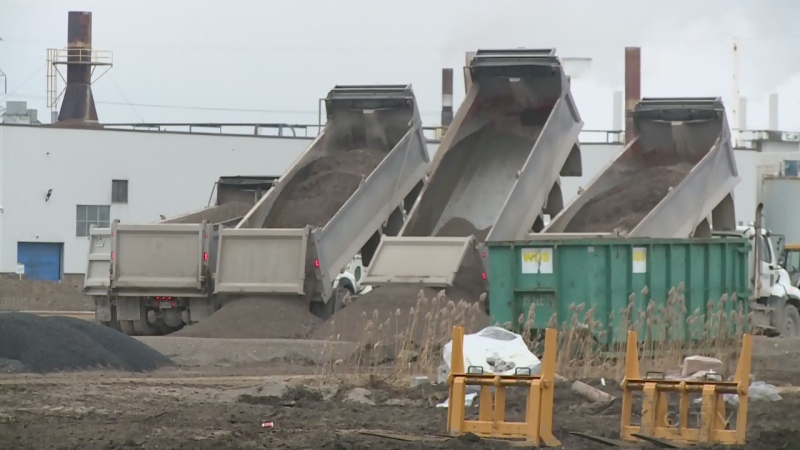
(225, 407)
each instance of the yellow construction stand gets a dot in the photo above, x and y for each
(538, 425)
(656, 424)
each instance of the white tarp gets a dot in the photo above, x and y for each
(496, 350)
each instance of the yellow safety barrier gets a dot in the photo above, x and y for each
(656, 424)
(538, 425)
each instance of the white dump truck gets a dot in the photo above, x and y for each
(775, 301)
(496, 174)
(352, 185)
(145, 278)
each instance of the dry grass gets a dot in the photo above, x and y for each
(394, 346)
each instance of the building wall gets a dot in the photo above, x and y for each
(167, 174)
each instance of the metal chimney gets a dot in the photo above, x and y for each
(633, 88)
(78, 107)
(447, 97)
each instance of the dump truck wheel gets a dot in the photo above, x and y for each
(791, 322)
(143, 328)
(113, 324)
(126, 326)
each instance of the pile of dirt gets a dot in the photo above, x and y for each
(49, 344)
(458, 227)
(395, 302)
(215, 214)
(29, 295)
(322, 187)
(625, 205)
(256, 318)
(406, 314)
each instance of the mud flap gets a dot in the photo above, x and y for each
(102, 309)
(760, 317)
(128, 308)
(199, 309)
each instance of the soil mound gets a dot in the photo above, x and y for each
(34, 295)
(50, 344)
(403, 311)
(322, 187)
(216, 214)
(256, 318)
(409, 308)
(625, 205)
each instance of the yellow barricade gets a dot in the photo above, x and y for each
(538, 425)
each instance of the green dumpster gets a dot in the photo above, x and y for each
(673, 288)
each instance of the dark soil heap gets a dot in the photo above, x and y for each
(29, 295)
(348, 324)
(256, 318)
(328, 183)
(625, 205)
(50, 344)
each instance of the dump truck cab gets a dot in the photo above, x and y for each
(791, 262)
(775, 300)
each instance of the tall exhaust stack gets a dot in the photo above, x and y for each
(447, 98)
(78, 106)
(633, 88)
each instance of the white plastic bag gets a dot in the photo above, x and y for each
(496, 350)
(759, 391)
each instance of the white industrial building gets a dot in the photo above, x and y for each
(56, 182)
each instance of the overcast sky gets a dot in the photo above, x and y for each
(270, 61)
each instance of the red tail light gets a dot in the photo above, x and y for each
(112, 256)
(205, 256)
(316, 264)
(483, 276)
(483, 255)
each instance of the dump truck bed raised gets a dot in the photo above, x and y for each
(496, 172)
(674, 180)
(352, 184)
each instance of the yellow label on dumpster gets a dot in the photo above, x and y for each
(639, 257)
(537, 260)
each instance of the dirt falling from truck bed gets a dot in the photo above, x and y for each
(625, 205)
(256, 318)
(400, 305)
(215, 214)
(328, 183)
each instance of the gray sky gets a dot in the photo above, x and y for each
(277, 58)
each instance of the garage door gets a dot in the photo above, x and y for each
(42, 260)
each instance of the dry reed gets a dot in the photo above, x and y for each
(395, 346)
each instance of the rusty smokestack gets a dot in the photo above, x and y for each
(633, 88)
(78, 106)
(447, 97)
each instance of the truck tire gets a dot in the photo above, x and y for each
(335, 303)
(126, 326)
(144, 328)
(791, 322)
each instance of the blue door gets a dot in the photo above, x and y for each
(42, 260)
